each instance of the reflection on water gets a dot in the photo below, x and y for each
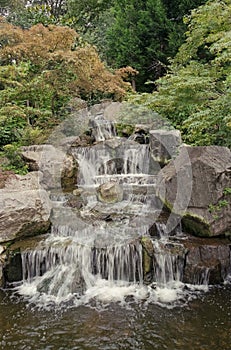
(204, 324)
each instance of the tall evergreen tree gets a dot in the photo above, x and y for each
(145, 34)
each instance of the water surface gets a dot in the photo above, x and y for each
(203, 324)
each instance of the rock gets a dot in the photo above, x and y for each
(141, 134)
(110, 192)
(83, 140)
(13, 268)
(67, 142)
(4, 175)
(2, 262)
(164, 144)
(99, 107)
(101, 129)
(24, 208)
(77, 192)
(74, 201)
(74, 283)
(196, 186)
(58, 168)
(147, 245)
(112, 111)
(206, 261)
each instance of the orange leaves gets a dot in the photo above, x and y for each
(54, 50)
(126, 72)
(36, 43)
(53, 37)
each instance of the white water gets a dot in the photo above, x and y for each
(100, 163)
(87, 259)
(103, 129)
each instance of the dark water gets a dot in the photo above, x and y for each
(204, 324)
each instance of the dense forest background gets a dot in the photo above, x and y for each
(173, 57)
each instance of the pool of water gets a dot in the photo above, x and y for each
(203, 324)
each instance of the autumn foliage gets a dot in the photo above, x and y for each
(41, 70)
(57, 53)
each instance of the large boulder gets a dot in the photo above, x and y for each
(24, 208)
(58, 168)
(197, 185)
(164, 144)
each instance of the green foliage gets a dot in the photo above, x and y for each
(215, 210)
(12, 122)
(227, 191)
(15, 162)
(124, 129)
(138, 36)
(195, 95)
(41, 70)
(86, 13)
(32, 136)
(141, 34)
(28, 13)
(144, 34)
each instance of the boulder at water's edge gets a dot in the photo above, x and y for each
(197, 186)
(24, 207)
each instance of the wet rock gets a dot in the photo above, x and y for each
(74, 202)
(2, 262)
(13, 268)
(164, 145)
(83, 140)
(78, 192)
(148, 253)
(72, 279)
(207, 261)
(110, 192)
(140, 134)
(148, 245)
(196, 186)
(24, 208)
(101, 129)
(69, 173)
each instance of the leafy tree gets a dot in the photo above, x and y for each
(176, 10)
(87, 12)
(41, 69)
(7, 6)
(138, 36)
(26, 13)
(144, 35)
(195, 94)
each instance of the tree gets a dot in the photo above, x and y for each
(139, 36)
(42, 68)
(87, 12)
(195, 94)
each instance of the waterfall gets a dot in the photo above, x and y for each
(102, 129)
(96, 252)
(102, 163)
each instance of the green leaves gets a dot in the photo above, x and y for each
(138, 37)
(12, 122)
(196, 93)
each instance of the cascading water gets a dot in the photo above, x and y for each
(96, 253)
